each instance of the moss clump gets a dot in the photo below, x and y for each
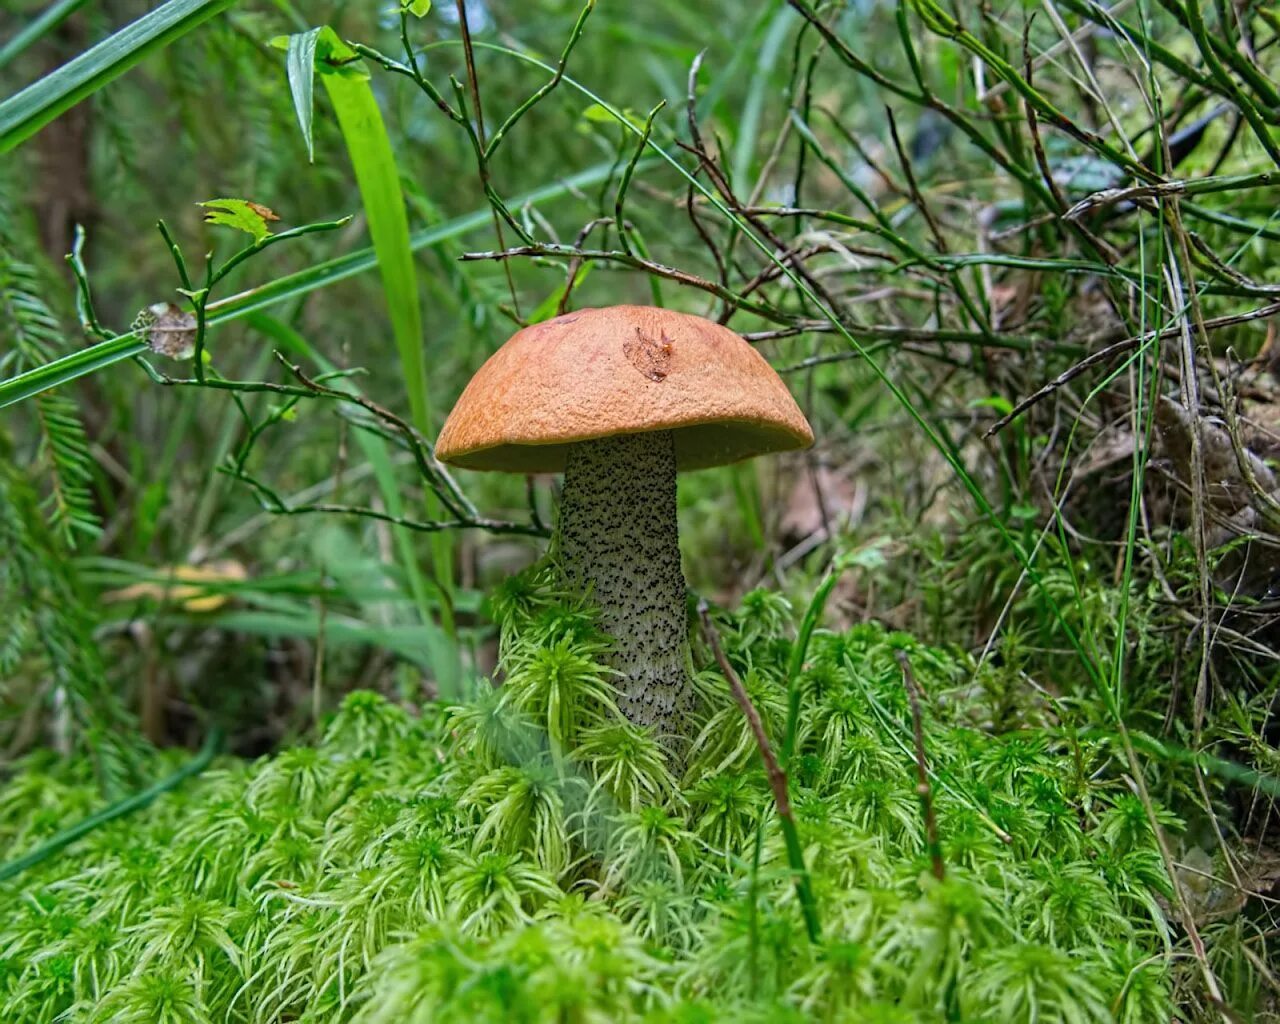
(527, 856)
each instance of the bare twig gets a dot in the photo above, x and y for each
(1162, 190)
(431, 469)
(777, 777)
(272, 503)
(483, 151)
(923, 789)
(913, 189)
(637, 262)
(1119, 347)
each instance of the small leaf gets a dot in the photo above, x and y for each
(997, 402)
(300, 63)
(241, 214)
(598, 113)
(418, 8)
(319, 49)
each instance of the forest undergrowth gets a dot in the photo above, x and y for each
(529, 855)
(297, 724)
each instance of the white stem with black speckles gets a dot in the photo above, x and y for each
(618, 535)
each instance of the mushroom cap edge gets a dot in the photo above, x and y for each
(597, 373)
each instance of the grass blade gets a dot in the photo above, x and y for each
(374, 163)
(69, 368)
(54, 15)
(24, 114)
(378, 179)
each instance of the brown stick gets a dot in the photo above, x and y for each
(923, 789)
(1103, 354)
(777, 777)
(777, 780)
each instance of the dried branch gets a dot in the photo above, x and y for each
(638, 263)
(1118, 348)
(923, 789)
(777, 777)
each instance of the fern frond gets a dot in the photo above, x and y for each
(63, 451)
(16, 639)
(38, 591)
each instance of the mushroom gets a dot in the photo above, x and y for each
(619, 399)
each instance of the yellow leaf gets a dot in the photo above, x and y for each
(189, 594)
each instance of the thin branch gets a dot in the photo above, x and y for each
(636, 262)
(777, 777)
(1120, 347)
(483, 150)
(620, 199)
(514, 117)
(430, 468)
(272, 503)
(923, 789)
(1161, 190)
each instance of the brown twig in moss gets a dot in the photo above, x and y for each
(923, 789)
(777, 777)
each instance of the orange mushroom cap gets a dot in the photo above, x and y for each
(598, 373)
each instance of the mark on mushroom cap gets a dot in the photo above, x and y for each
(652, 358)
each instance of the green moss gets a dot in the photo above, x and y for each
(527, 856)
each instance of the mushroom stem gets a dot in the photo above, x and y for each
(618, 536)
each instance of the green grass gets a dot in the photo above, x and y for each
(459, 866)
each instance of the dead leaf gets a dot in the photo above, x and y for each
(189, 594)
(265, 212)
(171, 330)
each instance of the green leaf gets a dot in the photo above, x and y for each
(598, 113)
(241, 214)
(418, 8)
(23, 115)
(300, 63)
(374, 161)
